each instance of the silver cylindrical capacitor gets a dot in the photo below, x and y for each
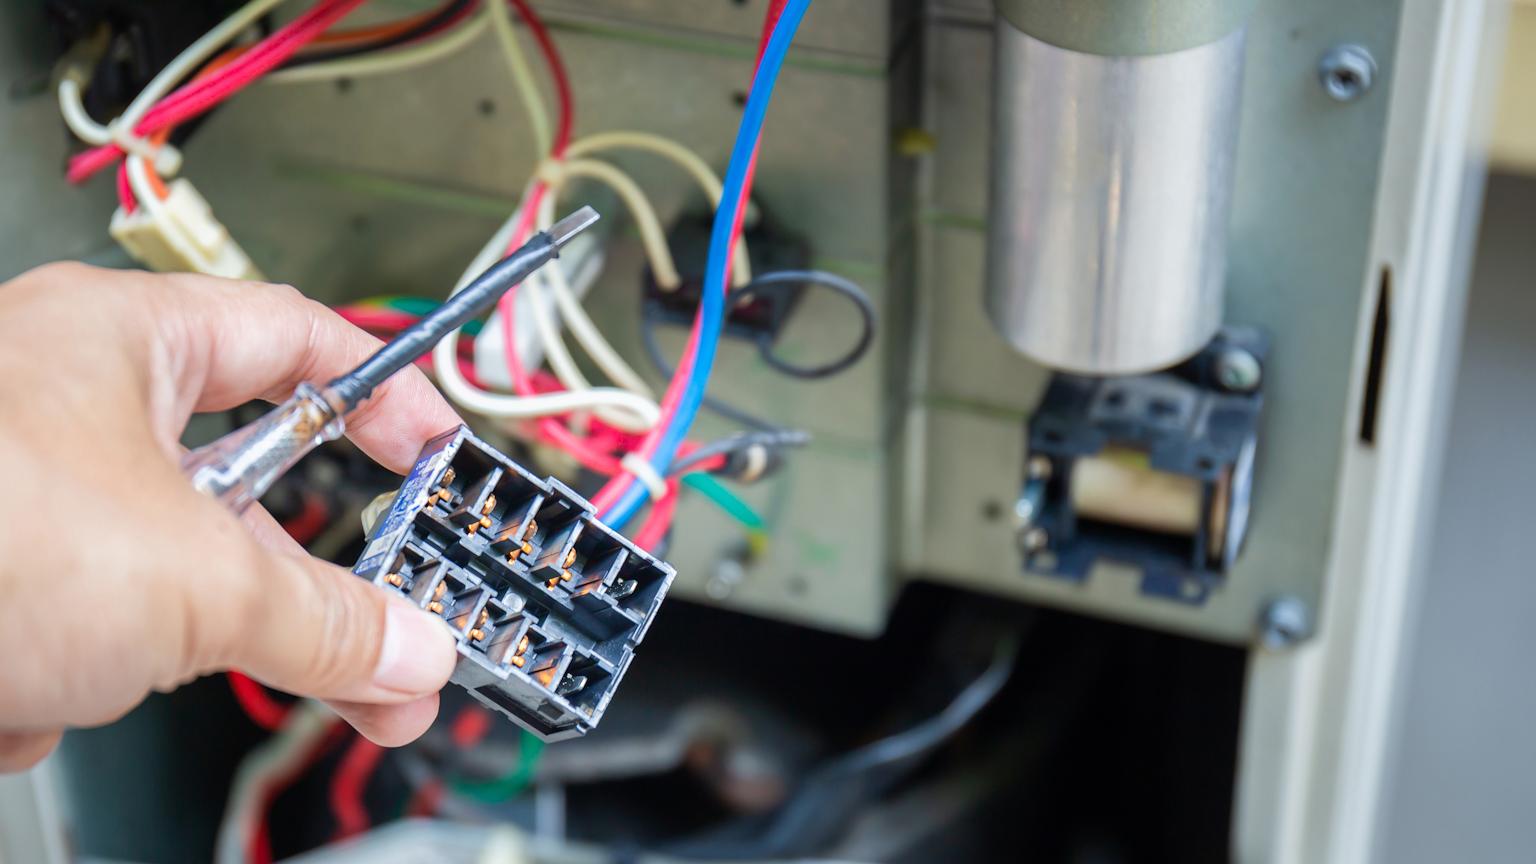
(1112, 183)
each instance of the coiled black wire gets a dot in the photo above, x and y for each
(786, 280)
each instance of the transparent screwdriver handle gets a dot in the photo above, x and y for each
(240, 467)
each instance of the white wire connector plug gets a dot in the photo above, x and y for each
(181, 234)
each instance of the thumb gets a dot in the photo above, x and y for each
(318, 630)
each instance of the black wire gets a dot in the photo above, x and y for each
(771, 439)
(444, 15)
(785, 280)
(417, 339)
(648, 319)
(819, 806)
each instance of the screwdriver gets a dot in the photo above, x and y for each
(240, 467)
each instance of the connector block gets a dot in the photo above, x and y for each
(547, 602)
(185, 237)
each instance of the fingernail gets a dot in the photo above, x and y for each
(417, 656)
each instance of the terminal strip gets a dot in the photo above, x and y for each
(547, 602)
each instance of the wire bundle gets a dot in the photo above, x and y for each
(569, 159)
(623, 496)
(304, 50)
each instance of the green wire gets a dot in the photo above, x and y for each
(418, 306)
(725, 499)
(509, 785)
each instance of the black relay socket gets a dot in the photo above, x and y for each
(547, 602)
(762, 315)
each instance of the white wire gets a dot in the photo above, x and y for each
(575, 316)
(564, 365)
(471, 398)
(688, 160)
(188, 60)
(652, 236)
(72, 107)
(385, 62)
(479, 401)
(71, 104)
(522, 75)
(284, 753)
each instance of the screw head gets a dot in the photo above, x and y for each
(1238, 371)
(729, 574)
(1034, 540)
(1038, 468)
(1346, 72)
(1286, 621)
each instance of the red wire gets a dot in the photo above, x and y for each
(199, 96)
(125, 194)
(656, 525)
(377, 319)
(350, 781)
(425, 801)
(256, 702)
(549, 429)
(310, 521)
(470, 726)
(261, 843)
(556, 71)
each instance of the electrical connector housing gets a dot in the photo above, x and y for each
(189, 239)
(547, 602)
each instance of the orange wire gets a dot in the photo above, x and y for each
(377, 31)
(159, 138)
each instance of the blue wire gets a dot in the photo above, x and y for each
(712, 307)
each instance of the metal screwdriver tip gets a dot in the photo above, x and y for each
(572, 225)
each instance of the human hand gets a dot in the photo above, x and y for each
(119, 578)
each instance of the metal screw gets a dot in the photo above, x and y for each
(1285, 622)
(1238, 371)
(729, 573)
(1038, 468)
(1034, 539)
(1346, 72)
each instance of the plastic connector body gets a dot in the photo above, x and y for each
(184, 237)
(548, 604)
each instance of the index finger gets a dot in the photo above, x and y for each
(236, 341)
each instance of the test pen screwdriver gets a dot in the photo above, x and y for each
(240, 467)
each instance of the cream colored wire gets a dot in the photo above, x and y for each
(688, 160)
(386, 62)
(522, 75)
(575, 315)
(457, 387)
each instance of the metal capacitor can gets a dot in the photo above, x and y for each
(1112, 185)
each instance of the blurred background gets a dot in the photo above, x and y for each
(1285, 620)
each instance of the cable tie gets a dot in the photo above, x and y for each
(550, 170)
(757, 464)
(643, 471)
(165, 159)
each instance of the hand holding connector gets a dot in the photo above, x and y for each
(170, 585)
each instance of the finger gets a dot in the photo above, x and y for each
(269, 533)
(314, 629)
(22, 750)
(390, 725)
(229, 342)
